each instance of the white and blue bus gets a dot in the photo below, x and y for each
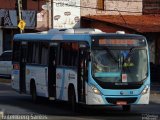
(82, 66)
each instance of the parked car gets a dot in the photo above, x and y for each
(6, 64)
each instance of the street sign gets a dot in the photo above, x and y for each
(22, 24)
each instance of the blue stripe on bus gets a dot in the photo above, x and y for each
(62, 86)
(107, 74)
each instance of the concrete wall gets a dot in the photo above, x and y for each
(66, 14)
(112, 7)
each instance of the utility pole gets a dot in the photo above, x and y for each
(19, 10)
(52, 14)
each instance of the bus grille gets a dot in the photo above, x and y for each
(115, 100)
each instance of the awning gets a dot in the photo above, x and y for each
(141, 23)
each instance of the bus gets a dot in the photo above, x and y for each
(82, 66)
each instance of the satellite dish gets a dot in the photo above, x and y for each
(46, 7)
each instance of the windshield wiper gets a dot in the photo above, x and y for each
(126, 62)
(131, 51)
(112, 55)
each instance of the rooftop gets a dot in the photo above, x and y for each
(141, 23)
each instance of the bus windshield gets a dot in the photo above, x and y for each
(119, 65)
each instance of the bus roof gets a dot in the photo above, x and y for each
(50, 37)
(79, 37)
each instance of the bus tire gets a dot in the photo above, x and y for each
(34, 93)
(72, 100)
(126, 108)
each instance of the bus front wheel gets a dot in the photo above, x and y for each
(126, 108)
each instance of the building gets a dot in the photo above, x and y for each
(9, 19)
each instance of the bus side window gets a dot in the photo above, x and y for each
(16, 52)
(64, 54)
(34, 53)
(44, 54)
(61, 54)
(29, 52)
(74, 56)
(68, 54)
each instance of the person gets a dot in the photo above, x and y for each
(128, 63)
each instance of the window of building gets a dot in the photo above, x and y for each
(100, 4)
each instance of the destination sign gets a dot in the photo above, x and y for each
(118, 42)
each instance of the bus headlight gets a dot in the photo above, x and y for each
(95, 89)
(12, 77)
(145, 90)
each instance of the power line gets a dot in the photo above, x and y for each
(94, 8)
(119, 11)
(122, 17)
(127, 0)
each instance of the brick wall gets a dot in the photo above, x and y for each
(31, 5)
(112, 7)
(7, 4)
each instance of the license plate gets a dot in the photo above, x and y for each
(121, 103)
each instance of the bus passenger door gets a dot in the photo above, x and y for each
(23, 55)
(82, 75)
(52, 72)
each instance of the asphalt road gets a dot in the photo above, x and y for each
(17, 106)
